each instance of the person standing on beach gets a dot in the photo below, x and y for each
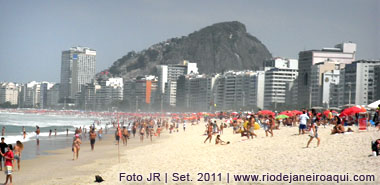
(251, 127)
(50, 132)
(24, 132)
(100, 133)
(67, 132)
(76, 146)
(92, 138)
(3, 131)
(134, 128)
(313, 130)
(17, 151)
(303, 120)
(8, 164)
(55, 132)
(142, 132)
(38, 135)
(3, 146)
(209, 132)
(184, 126)
(117, 135)
(268, 126)
(125, 136)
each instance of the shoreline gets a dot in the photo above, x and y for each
(58, 163)
(185, 152)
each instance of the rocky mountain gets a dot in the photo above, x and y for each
(216, 48)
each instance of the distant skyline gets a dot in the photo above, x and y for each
(34, 33)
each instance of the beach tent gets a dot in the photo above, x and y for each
(374, 105)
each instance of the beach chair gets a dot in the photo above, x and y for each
(363, 124)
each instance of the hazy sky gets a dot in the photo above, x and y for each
(34, 33)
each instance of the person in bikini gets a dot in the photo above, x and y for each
(209, 132)
(142, 132)
(17, 153)
(76, 146)
(251, 127)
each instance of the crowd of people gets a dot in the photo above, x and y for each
(244, 124)
(8, 157)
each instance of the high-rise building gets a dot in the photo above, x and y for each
(279, 73)
(110, 91)
(9, 93)
(77, 69)
(167, 80)
(342, 53)
(140, 92)
(360, 82)
(324, 77)
(234, 90)
(194, 92)
(53, 96)
(44, 89)
(377, 82)
(30, 95)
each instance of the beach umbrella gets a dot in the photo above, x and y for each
(354, 110)
(296, 112)
(234, 113)
(326, 113)
(282, 116)
(288, 113)
(266, 112)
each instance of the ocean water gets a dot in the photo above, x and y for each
(14, 122)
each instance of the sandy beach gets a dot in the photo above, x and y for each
(185, 152)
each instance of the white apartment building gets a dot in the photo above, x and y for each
(167, 79)
(77, 69)
(44, 91)
(9, 92)
(234, 90)
(279, 73)
(359, 85)
(30, 95)
(323, 76)
(343, 53)
(194, 92)
(53, 96)
(111, 90)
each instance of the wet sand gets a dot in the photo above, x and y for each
(57, 166)
(185, 152)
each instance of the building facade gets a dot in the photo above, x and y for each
(342, 53)
(110, 92)
(30, 95)
(194, 92)
(167, 80)
(359, 85)
(77, 69)
(324, 78)
(279, 74)
(238, 90)
(140, 93)
(9, 92)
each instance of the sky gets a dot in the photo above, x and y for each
(33, 34)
